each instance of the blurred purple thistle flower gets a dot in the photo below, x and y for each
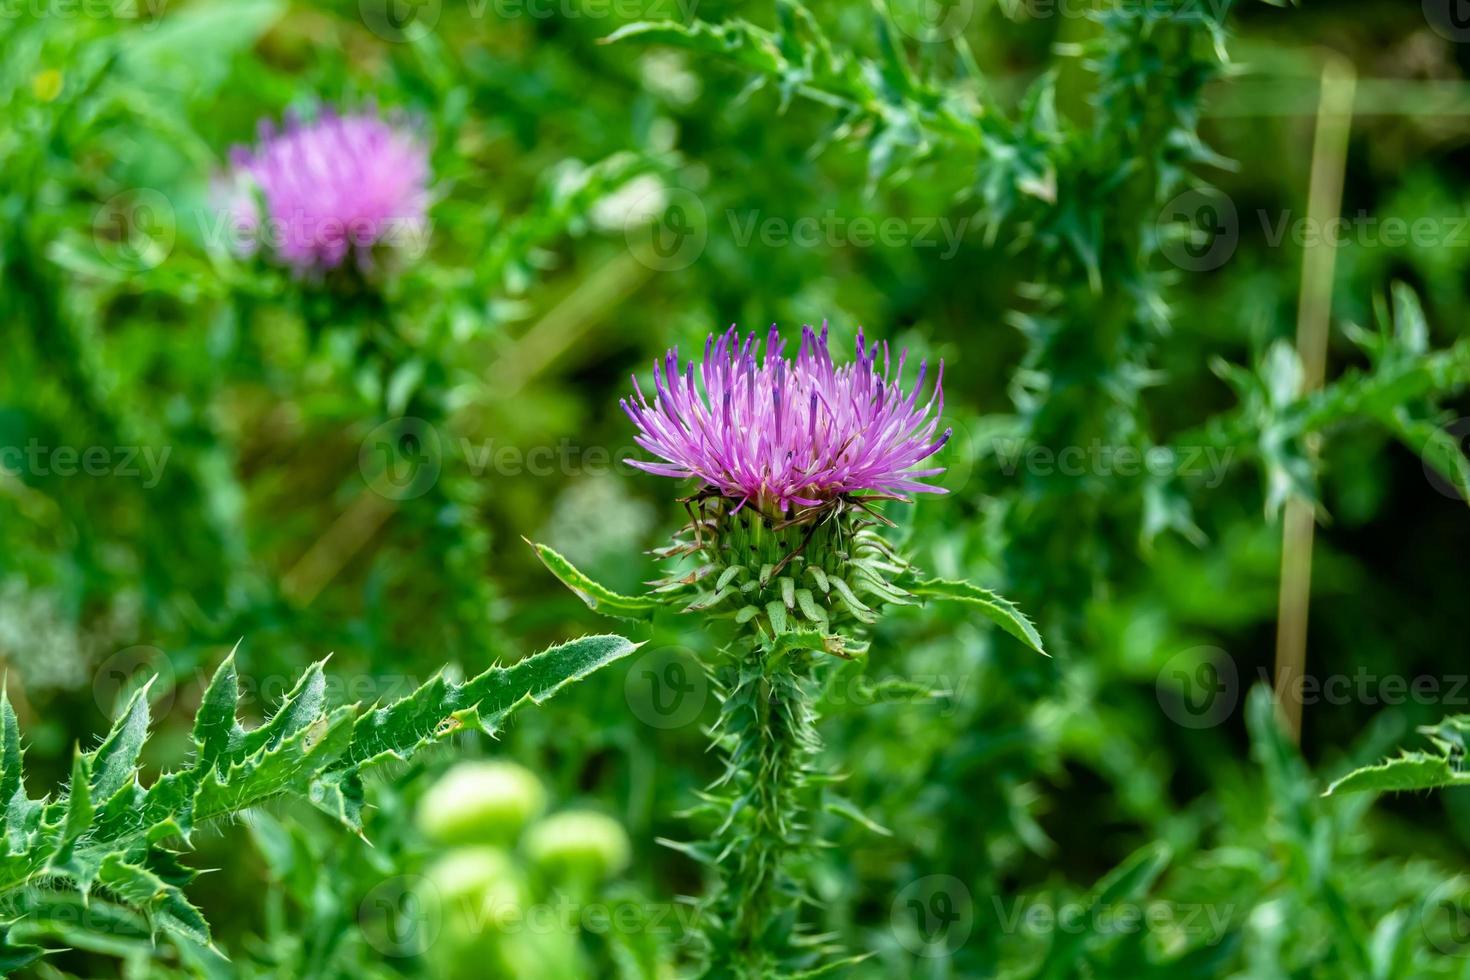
(779, 432)
(334, 185)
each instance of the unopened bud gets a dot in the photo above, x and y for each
(580, 844)
(481, 802)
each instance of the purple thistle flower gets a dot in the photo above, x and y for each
(779, 432)
(334, 185)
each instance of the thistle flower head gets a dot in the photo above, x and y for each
(773, 431)
(316, 191)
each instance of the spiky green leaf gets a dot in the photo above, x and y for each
(12, 778)
(214, 723)
(115, 762)
(16, 955)
(109, 831)
(163, 902)
(1447, 766)
(997, 608)
(598, 597)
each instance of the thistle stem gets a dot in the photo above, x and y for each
(767, 732)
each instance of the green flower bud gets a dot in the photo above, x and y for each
(476, 892)
(475, 878)
(580, 844)
(481, 802)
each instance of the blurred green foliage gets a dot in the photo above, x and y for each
(1124, 809)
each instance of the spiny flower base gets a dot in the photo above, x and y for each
(827, 571)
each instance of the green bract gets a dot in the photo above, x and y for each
(826, 575)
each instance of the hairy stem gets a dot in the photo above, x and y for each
(767, 732)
